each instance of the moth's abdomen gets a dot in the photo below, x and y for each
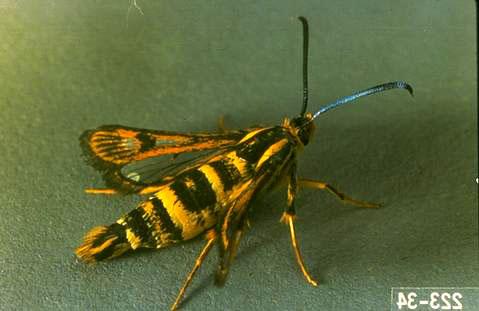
(179, 211)
(187, 206)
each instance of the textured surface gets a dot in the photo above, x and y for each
(67, 66)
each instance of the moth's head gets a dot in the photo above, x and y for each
(303, 127)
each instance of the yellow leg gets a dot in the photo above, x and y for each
(211, 236)
(107, 191)
(231, 250)
(289, 219)
(324, 186)
(100, 191)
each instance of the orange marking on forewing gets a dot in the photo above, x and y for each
(176, 138)
(165, 149)
(126, 133)
(174, 144)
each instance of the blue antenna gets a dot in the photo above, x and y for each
(357, 95)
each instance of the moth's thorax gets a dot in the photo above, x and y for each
(300, 128)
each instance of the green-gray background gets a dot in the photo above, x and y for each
(67, 66)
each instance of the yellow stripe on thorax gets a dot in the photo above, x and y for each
(251, 134)
(272, 150)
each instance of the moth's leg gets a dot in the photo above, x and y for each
(211, 239)
(346, 199)
(101, 191)
(228, 253)
(231, 226)
(288, 218)
(110, 191)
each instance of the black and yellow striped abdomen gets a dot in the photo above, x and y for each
(190, 204)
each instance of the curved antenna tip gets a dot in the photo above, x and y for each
(410, 89)
(372, 90)
(406, 86)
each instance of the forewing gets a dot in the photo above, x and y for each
(153, 169)
(131, 159)
(116, 145)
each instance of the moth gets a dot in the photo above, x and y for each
(203, 184)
